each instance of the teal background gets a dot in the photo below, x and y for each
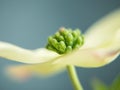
(28, 23)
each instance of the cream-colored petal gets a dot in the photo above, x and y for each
(44, 69)
(83, 58)
(94, 57)
(103, 30)
(19, 54)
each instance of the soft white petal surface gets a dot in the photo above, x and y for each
(44, 69)
(19, 54)
(89, 57)
(103, 30)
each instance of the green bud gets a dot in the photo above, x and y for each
(76, 46)
(51, 48)
(50, 39)
(59, 37)
(61, 46)
(65, 40)
(54, 43)
(75, 35)
(64, 32)
(57, 34)
(69, 37)
(80, 40)
(68, 49)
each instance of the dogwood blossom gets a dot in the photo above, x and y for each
(101, 46)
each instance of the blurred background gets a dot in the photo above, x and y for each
(28, 23)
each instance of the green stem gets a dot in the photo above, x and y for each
(74, 78)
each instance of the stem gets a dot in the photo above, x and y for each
(74, 78)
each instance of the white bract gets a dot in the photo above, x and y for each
(102, 46)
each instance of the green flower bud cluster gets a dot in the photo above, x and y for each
(65, 40)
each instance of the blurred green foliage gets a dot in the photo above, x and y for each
(100, 85)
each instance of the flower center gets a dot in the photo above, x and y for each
(65, 40)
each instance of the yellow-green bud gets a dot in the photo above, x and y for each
(61, 47)
(68, 49)
(65, 40)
